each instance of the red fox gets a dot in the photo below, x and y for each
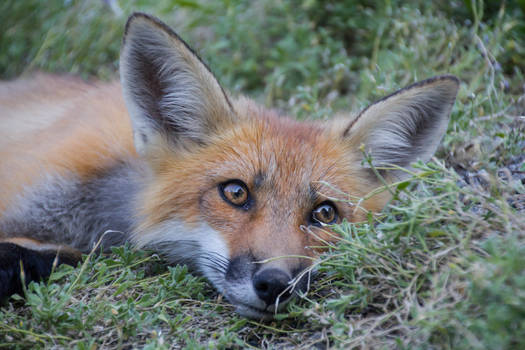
(168, 160)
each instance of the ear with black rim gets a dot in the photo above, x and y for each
(171, 95)
(407, 125)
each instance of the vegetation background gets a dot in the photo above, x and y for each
(443, 267)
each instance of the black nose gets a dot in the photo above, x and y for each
(270, 283)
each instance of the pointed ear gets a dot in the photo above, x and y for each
(171, 95)
(407, 125)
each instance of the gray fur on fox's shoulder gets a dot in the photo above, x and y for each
(65, 210)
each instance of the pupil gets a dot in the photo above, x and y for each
(237, 192)
(324, 214)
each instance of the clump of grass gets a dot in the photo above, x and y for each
(442, 267)
(421, 272)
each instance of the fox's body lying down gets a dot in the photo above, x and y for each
(170, 162)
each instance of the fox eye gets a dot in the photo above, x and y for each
(324, 214)
(235, 192)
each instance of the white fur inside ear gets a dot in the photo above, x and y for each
(408, 125)
(167, 89)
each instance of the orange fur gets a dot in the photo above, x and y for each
(291, 154)
(58, 125)
(179, 139)
(89, 129)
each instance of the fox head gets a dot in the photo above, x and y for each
(243, 194)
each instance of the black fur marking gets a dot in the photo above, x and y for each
(314, 193)
(37, 265)
(144, 137)
(241, 267)
(259, 179)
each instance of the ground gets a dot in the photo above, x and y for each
(442, 268)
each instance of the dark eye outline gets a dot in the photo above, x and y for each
(247, 204)
(318, 223)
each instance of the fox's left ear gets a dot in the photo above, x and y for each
(171, 95)
(407, 125)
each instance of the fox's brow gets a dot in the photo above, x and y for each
(259, 179)
(314, 194)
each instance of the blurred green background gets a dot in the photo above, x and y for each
(326, 49)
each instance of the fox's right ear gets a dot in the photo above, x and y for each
(171, 95)
(406, 125)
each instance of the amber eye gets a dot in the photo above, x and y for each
(235, 192)
(325, 213)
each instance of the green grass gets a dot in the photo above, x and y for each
(443, 267)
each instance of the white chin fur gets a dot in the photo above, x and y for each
(250, 312)
(243, 297)
(256, 313)
(198, 245)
